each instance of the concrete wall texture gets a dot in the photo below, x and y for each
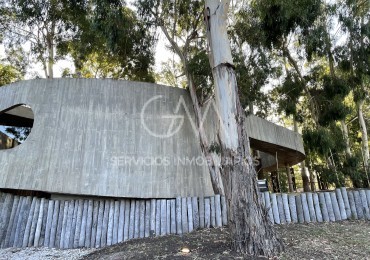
(109, 138)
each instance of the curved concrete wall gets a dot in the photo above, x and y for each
(118, 139)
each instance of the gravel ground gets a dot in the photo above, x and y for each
(36, 253)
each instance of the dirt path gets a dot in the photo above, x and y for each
(343, 240)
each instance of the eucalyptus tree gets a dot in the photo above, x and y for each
(354, 57)
(42, 25)
(182, 24)
(112, 43)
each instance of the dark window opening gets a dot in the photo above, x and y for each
(16, 124)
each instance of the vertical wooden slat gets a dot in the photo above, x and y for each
(126, 227)
(194, 202)
(201, 212)
(329, 206)
(342, 208)
(142, 219)
(54, 223)
(110, 223)
(153, 206)
(137, 219)
(64, 224)
(280, 208)
(365, 207)
(213, 212)
(29, 223)
(184, 215)
(99, 226)
(158, 218)
(207, 213)
(306, 211)
(352, 205)
(116, 222)
(48, 222)
(163, 217)
(173, 216)
(218, 210)
(39, 224)
(22, 221)
(275, 209)
(346, 202)
(224, 210)
(43, 223)
(358, 203)
(132, 220)
(68, 236)
(147, 218)
(76, 240)
(14, 220)
(335, 205)
(324, 208)
(94, 223)
(82, 238)
(311, 207)
(74, 223)
(58, 234)
(168, 220)
(284, 197)
(104, 229)
(121, 221)
(300, 214)
(269, 206)
(5, 216)
(178, 216)
(293, 208)
(190, 214)
(89, 223)
(316, 204)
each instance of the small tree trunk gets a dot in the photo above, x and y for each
(251, 231)
(365, 142)
(290, 180)
(346, 138)
(304, 175)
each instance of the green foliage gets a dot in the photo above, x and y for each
(9, 74)
(318, 140)
(280, 17)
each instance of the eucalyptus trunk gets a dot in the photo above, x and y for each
(251, 231)
(304, 175)
(365, 141)
(346, 138)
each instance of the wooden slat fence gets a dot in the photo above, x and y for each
(31, 221)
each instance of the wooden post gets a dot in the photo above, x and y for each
(335, 205)
(178, 216)
(126, 226)
(201, 211)
(311, 207)
(184, 215)
(329, 206)
(190, 214)
(342, 208)
(280, 209)
(300, 214)
(218, 210)
(89, 223)
(121, 221)
(324, 207)
(147, 218)
(317, 207)
(293, 208)
(152, 217)
(275, 209)
(306, 212)
(173, 216)
(224, 210)
(286, 207)
(352, 205)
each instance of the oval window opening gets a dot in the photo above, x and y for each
(16, 124)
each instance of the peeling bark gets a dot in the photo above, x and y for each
(251, 230)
